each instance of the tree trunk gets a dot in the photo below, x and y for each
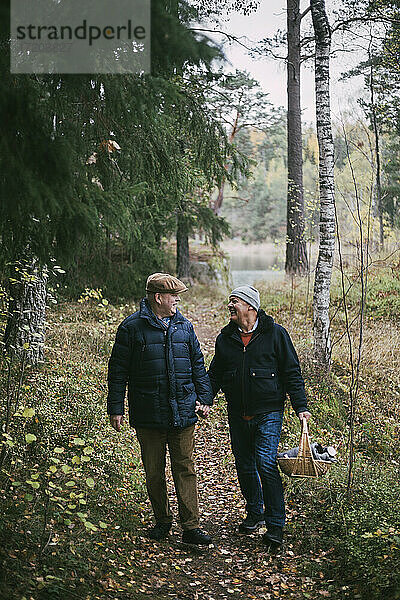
(323, 273)
(378, 186)
(25, 330)
(219, 199)
(296, 250)
(182, 248)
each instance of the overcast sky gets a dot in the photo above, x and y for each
(271, 16)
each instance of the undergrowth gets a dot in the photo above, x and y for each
(68, 480)
(72, 488)
(349, 534)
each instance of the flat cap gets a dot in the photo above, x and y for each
(164, 283)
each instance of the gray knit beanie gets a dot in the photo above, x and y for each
(247, 293)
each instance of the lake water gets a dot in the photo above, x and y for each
(256, 262)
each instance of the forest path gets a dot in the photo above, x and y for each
(235, 565)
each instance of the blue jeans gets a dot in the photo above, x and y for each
(254, 446)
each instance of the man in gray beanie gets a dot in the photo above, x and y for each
(255, 364)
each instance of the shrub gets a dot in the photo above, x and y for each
(353, 538)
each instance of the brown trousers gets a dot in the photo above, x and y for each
(153, 446)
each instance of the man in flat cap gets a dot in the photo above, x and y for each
(157, 353)
(255, 365)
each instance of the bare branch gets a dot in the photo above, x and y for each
(361, 19)
(305, 12)
(307, 40)
(231, 38)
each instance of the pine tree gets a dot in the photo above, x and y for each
(91, 167)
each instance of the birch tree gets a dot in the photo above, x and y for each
(323, 273)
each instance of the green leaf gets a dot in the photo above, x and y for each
(54, 460)
(90, 526)
(78, 442)
(16, 483)
(34, 484)
(52, 468)
(58, 450)
(103, 525)
(28, 413)
(70, 483)
(90, 482)
(26, 346)
(28, 497)
(76, 460)
(66, 469)
(88, 450)
(85, 458)
(30, 437)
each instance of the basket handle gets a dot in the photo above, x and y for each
(305, 453)
(304, 445)
(304, 426)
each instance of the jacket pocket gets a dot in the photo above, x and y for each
(146, 407)
(187, 403)
(263, 382)
(228, 381)
(187, 389)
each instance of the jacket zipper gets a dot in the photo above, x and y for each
(243, 386)
(168, 373)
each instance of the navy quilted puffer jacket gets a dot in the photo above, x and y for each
(164, 369)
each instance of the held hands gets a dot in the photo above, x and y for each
(116, 421)
(203, 410)
(304, 415)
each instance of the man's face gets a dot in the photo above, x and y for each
(168, 304)
(239, 309)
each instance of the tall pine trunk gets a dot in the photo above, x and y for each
(378, 186)
(182, 247)
(25, 330)
(296, 250)
(323, 273)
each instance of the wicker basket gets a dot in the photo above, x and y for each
(304, 464)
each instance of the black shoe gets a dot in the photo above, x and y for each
(159, 531)
(274, 536)
(251, 523)
(196, 536)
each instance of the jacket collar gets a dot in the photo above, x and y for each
(145, 312)
(265, 323)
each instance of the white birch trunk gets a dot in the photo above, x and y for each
(323, 273)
